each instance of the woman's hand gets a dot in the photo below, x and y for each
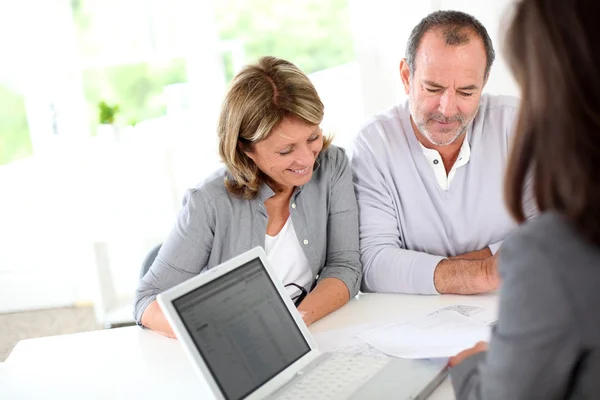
(153, 318)
(329, 295)
(460, 357)
(304, 316)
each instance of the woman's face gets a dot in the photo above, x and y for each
(288, 154)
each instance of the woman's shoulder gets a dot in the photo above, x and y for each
(332, 162)
(211, 188)
(334, 155)
(548, 242)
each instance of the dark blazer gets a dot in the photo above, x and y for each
(546, 344)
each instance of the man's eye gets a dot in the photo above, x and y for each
(432, 90)
(466, 94)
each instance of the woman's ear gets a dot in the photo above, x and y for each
(246, 149)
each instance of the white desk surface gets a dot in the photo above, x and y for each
(131, 363)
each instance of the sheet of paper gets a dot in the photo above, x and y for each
(355, 345)
(487, 316)
(346, 337)
(442, 333)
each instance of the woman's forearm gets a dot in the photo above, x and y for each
(153, 318)
(329, 295)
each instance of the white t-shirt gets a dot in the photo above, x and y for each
(288, 259)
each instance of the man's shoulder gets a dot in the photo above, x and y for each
(499, 103)
(387, 122)
(497, 114)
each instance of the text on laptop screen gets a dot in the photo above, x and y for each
(242, 329)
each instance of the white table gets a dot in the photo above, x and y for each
(130, 363)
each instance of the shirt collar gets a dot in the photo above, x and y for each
(463, 156)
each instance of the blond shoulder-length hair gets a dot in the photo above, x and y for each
(259, 98)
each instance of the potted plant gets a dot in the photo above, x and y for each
(106, 118)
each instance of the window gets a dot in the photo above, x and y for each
(14, 131)
(313, 34)
(128, 51)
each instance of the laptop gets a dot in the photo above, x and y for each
(243, 334)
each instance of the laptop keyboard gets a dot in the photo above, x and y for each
(338, 377)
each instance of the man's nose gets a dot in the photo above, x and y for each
(448, 104)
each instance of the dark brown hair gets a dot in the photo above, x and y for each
(456, 27)
(551, 47)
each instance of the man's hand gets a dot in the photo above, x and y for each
(466, 276)
(463, 355)
(490, 270)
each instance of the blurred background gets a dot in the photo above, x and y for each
(108, 111)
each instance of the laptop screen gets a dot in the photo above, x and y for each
(242, 328)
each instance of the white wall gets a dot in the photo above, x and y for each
(77, 190)
(492, 14)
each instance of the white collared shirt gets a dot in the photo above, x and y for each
(434, 159)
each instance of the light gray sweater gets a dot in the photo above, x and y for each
(408, 223)
(546, 344)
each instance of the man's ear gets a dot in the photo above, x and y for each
(405, 75)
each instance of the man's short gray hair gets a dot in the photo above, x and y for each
(456, 28)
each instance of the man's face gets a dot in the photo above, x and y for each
(446, 86)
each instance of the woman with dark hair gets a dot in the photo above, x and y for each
(546, 344)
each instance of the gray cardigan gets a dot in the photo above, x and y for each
(546, 344)
(214, 226)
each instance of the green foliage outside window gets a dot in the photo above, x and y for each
(14, 133)
(137, 88)
(107, 113)
(313, 34)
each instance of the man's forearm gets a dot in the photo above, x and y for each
(465, 276)
(329, 295)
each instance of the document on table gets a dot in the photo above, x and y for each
(358, 346)
(442, 333)
(345, 340)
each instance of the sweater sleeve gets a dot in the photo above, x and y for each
(388, 265)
